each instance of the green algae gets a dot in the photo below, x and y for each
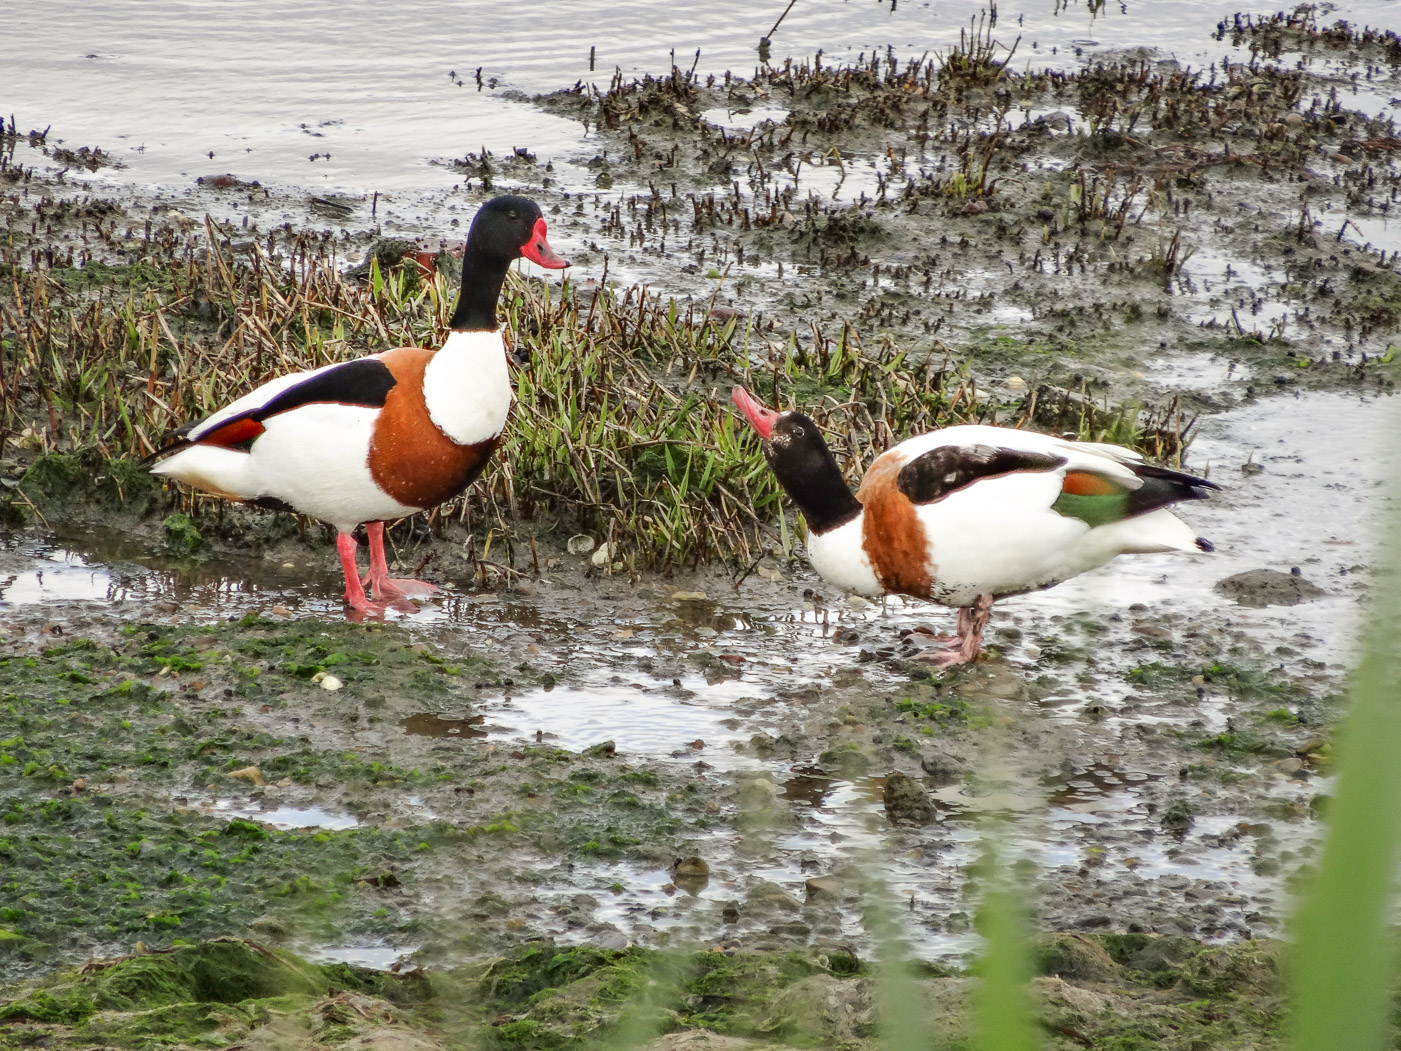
(182, 534)
(117, 747)
(207, 995)
(1111, 991)
(57, 482)
(97, 729)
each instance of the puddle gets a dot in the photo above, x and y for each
(429, 724)
(1229, 292)
(744, 119)
(285, 817)
(685, 719)
(1089, 788)
(376, 957)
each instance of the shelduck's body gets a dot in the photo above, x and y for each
(379, 437)
(966, 515)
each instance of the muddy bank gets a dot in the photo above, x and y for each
(618, 758)
(533, 761)
(1059, 228)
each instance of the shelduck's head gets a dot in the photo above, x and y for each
(799, 457)
(509, 227)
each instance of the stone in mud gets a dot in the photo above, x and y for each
(766, 896)
(848, 760)
(757, 792)
(942, 769)
(1269, 587)
(227, 181)
(690, 874)
(1178, 817)
(906, 801)
(825, 888)
(691, 867)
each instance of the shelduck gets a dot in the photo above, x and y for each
(378, 437)
(966, 515)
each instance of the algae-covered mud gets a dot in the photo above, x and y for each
(1099, 991)
(637, 776)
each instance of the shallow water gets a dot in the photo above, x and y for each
(359, 99)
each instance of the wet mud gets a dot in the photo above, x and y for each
(593, 767)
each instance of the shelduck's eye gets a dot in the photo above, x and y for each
(515, 214)
(798, 432)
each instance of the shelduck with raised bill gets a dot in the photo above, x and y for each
(966, 515)
(380, 437)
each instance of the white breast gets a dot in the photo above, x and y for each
(467, 388)
(840, 559)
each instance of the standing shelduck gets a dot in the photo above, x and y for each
(382, 436)
(970, 514)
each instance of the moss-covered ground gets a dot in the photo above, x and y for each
(1106, 991)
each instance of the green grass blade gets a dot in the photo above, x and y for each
(903, 1017)
(1002, 1010)
(1343, 966)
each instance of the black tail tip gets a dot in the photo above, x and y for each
(1203, 544)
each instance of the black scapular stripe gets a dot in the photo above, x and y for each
(364, 381)
(947, 469)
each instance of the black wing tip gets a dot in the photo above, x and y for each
(1193, 484)
(174, 442)
(1203, 544)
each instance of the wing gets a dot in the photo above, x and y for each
(1099, 483)
(364, 381)
(933, 475)
(1097, 499)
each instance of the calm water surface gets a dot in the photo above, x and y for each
(358, 97)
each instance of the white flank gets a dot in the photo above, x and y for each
(467, 388)
(839, 558)
(314, 458)
(999, 535)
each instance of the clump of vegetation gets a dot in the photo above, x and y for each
(1129, 991)
(622, 426)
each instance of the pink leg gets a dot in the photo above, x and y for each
(354, 592)
(964, 648)
(387, 588)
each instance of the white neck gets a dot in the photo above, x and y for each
(840, 559)
(467, 388)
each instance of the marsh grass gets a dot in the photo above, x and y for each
(623, 425)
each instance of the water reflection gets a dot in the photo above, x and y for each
(428, 724)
